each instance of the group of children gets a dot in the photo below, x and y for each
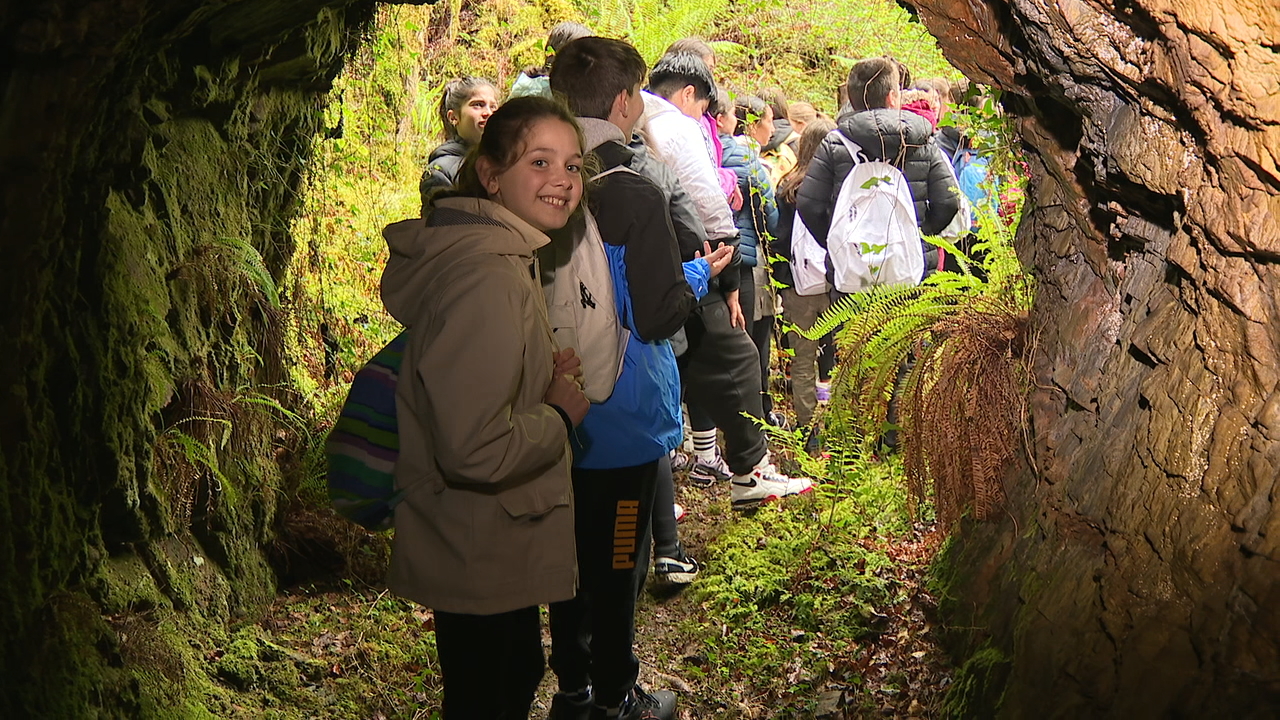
(518, 492)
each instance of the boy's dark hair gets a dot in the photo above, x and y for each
(458, 92)
(676, 71)
(777, 100)
(692, 44)
(871, 81)
(504, 139)
(749, 110)
(590, 72)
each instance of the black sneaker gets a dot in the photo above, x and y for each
(571, 706)
(640, 705)
(706, 474)
(675, 569)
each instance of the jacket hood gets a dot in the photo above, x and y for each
(886, 134)
(597, 132)
(457, 228)
(452, 148)
(658, 105)
(781, 131)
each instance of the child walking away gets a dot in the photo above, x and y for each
(537, 80)
(486, 404)
(744, 124)
(624, 440)
(886, 133)
(465, 107)
(805, 297)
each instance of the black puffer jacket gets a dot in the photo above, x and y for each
(899, 137)
(442, 168)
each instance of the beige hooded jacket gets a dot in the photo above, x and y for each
(486, 525)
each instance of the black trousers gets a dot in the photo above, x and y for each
(721, 375)
(762, 338)
(592, 635)
(492, 664)
(760, 331)
(666, 537)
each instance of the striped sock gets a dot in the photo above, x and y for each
(704, 445)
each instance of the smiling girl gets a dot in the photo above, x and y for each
(484, 534)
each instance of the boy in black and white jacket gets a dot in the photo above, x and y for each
(624, 440)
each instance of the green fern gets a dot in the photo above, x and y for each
(245, 260)
(902, 341)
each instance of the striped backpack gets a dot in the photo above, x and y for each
(363, 446)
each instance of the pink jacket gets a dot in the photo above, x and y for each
(711, 135)
(924, 110)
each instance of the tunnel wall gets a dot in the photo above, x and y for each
(150, 157)
(1137, 570)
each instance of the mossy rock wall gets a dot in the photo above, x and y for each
(151, 155)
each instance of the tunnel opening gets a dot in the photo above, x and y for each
(153, 151)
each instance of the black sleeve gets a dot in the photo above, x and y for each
(944, 203)
(684, 219)
(781, 245)
(731, 277)
(813, 200)
(632, 212)
(433, 179)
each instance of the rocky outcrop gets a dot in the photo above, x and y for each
(151, 152)
(1138, 571)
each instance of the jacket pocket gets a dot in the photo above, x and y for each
(538, 497)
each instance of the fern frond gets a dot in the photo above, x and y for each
(245, 259)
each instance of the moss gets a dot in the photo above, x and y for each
(124, 584)
(978, 688)
(268, 672)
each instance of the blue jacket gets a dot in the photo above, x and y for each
(640, 422)
(759, 212)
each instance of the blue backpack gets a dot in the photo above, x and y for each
(364, 444)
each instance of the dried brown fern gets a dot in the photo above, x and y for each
(963, 410)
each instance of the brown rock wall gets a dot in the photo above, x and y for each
(1145, 560)
(137, 139)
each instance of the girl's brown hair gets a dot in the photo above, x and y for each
(810, 141)
(458, 92)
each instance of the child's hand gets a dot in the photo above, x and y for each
(565, 392)
(567, 363)
(717, 260)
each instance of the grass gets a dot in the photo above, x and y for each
(796, 602)
(803, 606)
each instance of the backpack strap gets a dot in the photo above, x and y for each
(615, 169)
(856, 154)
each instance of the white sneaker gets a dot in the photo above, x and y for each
(765, 484)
